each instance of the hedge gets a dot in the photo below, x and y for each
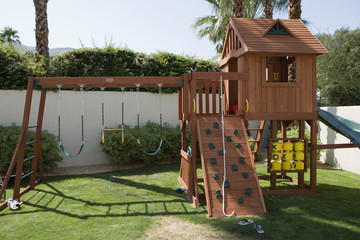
(16, 67)
(9, 137)
(129, 151)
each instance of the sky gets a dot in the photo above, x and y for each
(149, 25)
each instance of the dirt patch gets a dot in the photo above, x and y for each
(176, 229)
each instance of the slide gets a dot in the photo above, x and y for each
(345, 127)
(242, 189)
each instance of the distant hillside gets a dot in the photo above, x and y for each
(52, 51)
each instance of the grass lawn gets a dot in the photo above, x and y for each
(142, 204)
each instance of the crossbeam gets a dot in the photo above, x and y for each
(108, 82)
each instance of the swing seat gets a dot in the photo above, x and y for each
(150, 154)
(111, 130)
(68, 154)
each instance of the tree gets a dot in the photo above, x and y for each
(338, 72)
(42, 31)
(214, 26)
(294, 9)
(238, 8)
(9, 35)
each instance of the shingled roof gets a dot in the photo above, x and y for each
(269, 36)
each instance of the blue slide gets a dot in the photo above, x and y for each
(345, 127)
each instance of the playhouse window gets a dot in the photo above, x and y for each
(280, 69)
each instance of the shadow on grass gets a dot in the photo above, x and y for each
(54, 200)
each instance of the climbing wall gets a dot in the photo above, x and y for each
(242, 190)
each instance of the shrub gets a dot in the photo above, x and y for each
(15, 68)
(130, 151)
(9, 137)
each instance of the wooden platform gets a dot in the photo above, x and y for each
(251, 205)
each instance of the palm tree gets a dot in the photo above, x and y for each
(42, 31)
(238, 8)
(274, 5)
(9, 35)
(294, 9)
(214, 26)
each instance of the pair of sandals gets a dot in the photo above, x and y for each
(258, 227)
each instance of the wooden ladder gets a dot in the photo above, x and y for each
(258, 137)
(18, 159)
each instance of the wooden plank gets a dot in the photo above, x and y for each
(200, 93)
(280, 116)
(334, 146)
(207, 94)
(216, 76)
(213, 97)
(108, 82)
(309, 84)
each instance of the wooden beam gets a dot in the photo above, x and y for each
(108, 82)
(216, 76)
(333, 146)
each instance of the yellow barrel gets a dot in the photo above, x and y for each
(276, 166)
(275, 156)
(287, 165)
(288, 146)
(288, 156)
(299, 156)
(299, 165)
(299, 146)
(276, 147)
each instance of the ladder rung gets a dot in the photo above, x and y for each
(254, 140)
(34, 126)
(27, 174)
(31, 142)
(112, 129)
(29, 158)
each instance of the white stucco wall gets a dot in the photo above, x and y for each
(12, 109)
(347, 158)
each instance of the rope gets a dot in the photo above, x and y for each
(59, 121)
(138, 120)
(223, 143)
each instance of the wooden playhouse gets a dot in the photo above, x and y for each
(269, 73)
(275, 63)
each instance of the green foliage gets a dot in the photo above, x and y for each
(15, 68)
(150, 135)
(9, 137)
(338, 72)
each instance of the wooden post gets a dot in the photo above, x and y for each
(193, 119)
(273, 132)
(313, 129)
(37, 146)
(301, 135)
(24, 130)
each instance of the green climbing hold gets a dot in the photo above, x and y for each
(215, 176)
(211, 146)
(235, 131)
(245, 174)
(234, 168)
(240, 200)
(216, 125)
(213, 161)
(221, 152)
(228, 139)
(248, 192)
(218, 193)
(241, 160)
(226, 184)
(208, 131)
(238, 145)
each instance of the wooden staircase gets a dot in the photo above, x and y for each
(257, 138)
(244, 195)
